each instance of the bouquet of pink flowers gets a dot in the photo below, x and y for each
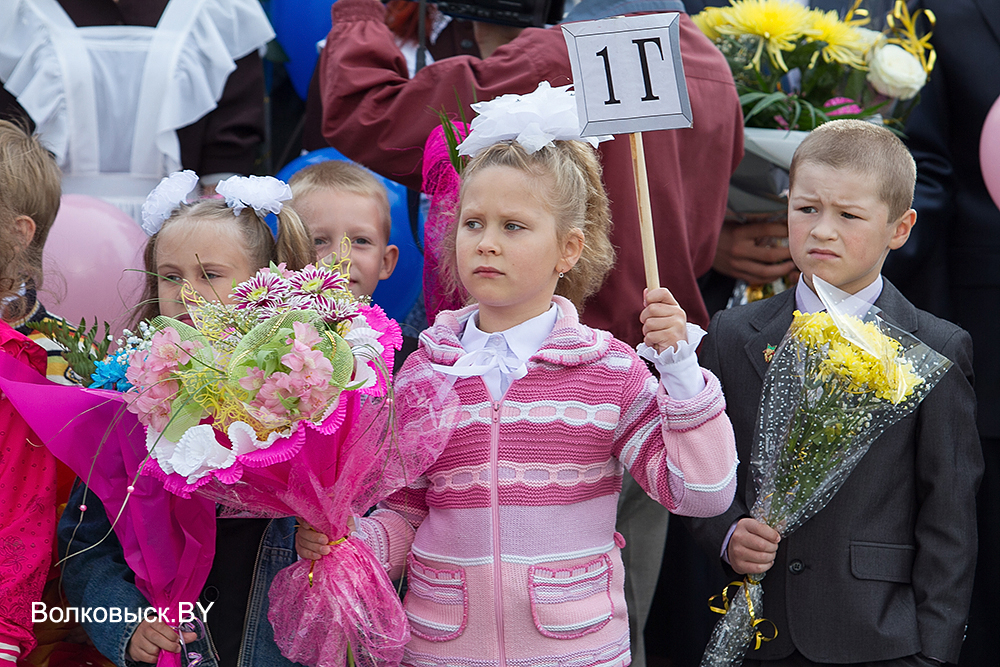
(279, 404)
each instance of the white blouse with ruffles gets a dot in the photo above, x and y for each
(108, 100)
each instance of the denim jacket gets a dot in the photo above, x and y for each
(100, 577)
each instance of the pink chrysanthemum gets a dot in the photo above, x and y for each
(330, 309)
(849, 106)
(317, 280)
(265, 290)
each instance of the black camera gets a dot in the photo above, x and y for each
(518, 13)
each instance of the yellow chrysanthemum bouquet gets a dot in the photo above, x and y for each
(836, 382)
(795, 68)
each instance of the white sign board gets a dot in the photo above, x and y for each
(627, 74)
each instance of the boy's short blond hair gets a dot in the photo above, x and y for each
(342, 176)
(30, 185)
(860, 146)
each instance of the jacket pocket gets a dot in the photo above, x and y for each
(876, 561)
(437, 601)
(571, 602)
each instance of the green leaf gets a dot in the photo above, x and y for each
(763, 103)
(82, 346)
(856, 84)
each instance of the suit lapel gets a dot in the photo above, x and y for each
(770, 324)
(990, 9)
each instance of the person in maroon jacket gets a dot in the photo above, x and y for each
(376, 115)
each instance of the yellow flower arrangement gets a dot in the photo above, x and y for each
(832, 56)
(779, 25)
(883, 373)
(845, 44)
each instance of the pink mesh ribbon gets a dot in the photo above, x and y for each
(441, 185)
(350, 603)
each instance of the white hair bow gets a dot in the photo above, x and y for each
(172, 191)
(534, 120)
(264, 194)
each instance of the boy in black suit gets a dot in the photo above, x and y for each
(882, 575)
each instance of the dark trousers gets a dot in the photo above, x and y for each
(798, 660)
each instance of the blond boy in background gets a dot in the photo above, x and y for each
(339, 199)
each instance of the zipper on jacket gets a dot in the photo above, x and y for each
(495, 506)
(253, 585)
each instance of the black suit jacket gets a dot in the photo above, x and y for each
(885, 570)
(951, 264)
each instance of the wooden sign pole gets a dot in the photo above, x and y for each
(645, 211)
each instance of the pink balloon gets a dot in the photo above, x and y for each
(989, 152)
(89, 249)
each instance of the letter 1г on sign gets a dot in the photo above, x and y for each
(627, 74)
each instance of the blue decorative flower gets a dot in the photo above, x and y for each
(110, 373)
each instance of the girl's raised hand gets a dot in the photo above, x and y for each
(664, 322)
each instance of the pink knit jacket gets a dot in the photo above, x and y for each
(509, 537)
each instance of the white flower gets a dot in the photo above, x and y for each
(869, 38)
(364, 340)
(244, 438)
(261, 193)
(895, 72)
(172, 191)
(534, 120)
(160, 449)
(199, 453)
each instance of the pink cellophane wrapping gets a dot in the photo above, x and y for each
(168, 541)
(325, 474)
(441, 184)
(351, 602)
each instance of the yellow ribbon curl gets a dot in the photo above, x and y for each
(903, 28)
(759, 637)
(312, 563)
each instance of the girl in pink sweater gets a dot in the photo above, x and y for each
(508, 539)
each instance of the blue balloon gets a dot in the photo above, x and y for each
(399, 292)
(298, 25)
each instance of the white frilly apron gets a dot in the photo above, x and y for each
(108, 100)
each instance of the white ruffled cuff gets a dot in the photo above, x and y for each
(680, 374)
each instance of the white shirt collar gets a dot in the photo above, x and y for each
(523, 340)
(806, 300)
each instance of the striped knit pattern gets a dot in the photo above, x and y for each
(538, 475)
